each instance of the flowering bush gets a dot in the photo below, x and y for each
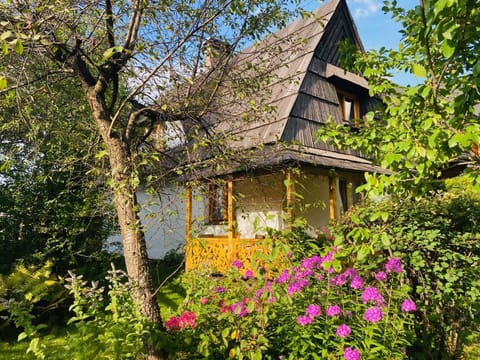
(437, 238)
(316, 308)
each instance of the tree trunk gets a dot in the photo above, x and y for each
(133, 236)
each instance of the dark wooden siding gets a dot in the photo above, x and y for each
(338, 29)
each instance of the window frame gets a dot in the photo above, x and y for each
(217, 204)
(354, 120)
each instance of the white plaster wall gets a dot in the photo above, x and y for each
(259, 205)
(163, 216)
(314, 206)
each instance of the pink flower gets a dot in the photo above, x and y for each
(187, 319)
(248, 274)
(284, 277)
(172, 324)
(238, 264)
(343, 331)
(351, 354)
(372, 294)
(204, 300)
(381, 276)
(313, 310)
(373, 314)
(408, 305)
(296, 286)
(238, 309)
(357, 282)
(394, 265)
(334, 310)
(304, 320)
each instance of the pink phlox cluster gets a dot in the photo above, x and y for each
(311, 262)
(204, 300)
(351, 354)
(381, 276)
(283, 277)
(393, 265)
(304, 320)
(313, 310)
(357, 282)
(373, 314)
(408, 305)
(333, 310)
(187, 319)
(372, 294)
(343, 331)
(338, 280)
(238, 264)
(296, 286)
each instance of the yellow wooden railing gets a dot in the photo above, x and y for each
(217, 253)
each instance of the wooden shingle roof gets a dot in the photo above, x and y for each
(302, 92)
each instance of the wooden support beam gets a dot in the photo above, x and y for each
(230, 208)
(232, 251)
(332, 197)
(290, 197)
(188, 226)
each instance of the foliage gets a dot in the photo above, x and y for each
(319, 307)
(51, 206)
(106, 323)
(437, 237)
(426, 129)
(26, 295)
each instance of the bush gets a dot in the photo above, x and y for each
(438, 239)
(319, 307)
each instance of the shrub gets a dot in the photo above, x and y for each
(437, 238)
(319, 307)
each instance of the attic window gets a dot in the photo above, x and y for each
(350, 106)
(217, 203)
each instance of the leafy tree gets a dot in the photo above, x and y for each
(157, 49)
(428, 129)
(51, 208)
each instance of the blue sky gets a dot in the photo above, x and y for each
(375, 28)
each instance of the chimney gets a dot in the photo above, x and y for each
(214, 51)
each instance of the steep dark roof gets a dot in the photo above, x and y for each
(302, 92)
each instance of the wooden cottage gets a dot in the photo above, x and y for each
(290, 172)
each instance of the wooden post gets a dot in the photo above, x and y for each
(232, 250)
(332, 197)
(188, 228)
(290, 197)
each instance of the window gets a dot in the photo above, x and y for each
(217, 203)
(348, 195)
(350, 106)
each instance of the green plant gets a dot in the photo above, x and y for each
(437, 237)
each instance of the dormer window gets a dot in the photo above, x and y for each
(350, 106)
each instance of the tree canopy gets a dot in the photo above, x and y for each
(431, 129)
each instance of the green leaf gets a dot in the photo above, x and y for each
(5, 48)
(111, 51)
(419, 71)
(3, 82)
(18, 46)
(447, 49)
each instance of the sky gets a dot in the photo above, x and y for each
(376, 29)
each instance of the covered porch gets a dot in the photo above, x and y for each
(216, 252)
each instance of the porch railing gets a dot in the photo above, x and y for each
(217, 253)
